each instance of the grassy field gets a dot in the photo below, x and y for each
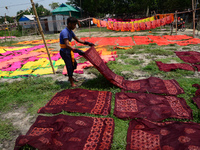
(35, 92)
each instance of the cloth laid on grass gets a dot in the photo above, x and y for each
(142, 40)
(42, 71)
(177, 37)
(189, 56)
(174, 135)
(150, 106)
(79, 100)
(152, 84)
(68, 132)
(169, 67)
(196, 99)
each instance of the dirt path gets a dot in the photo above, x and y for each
(19, 117)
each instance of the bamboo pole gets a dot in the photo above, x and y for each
(5, 27)
(89, 28)
(176, 20)
(193, 18)
(41, 32)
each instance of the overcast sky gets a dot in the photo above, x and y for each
(15, 5)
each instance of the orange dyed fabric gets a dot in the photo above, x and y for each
(63, 132)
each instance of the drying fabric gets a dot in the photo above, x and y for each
(142, 26)
(143, 134)
(42, 71)
(152, 84)
(189, 56)
(196, 99)
(150, 106)
(136, 26)
(63, 132)
(4, 73)
(197, 66)
(79, 100)
(148, 25)
(177, 37)
(20, 73)
(169, 67)
(142, 40)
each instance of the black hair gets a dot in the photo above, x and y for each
(72, 20)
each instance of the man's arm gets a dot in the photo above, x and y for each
(83, 42)
(79, 40)
(68, 46)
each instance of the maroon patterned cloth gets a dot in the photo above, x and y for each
(169, 67)
(150, 106)
(189, 56)
(152, 84)
(79, 100)
(68, 132)
(196, 99)
(198, 89)
(197, 66)
(143, 134)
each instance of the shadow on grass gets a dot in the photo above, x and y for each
(98, 83)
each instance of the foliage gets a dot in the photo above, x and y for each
(54, 5)
(123, 7)
(8, 18)
(41, 11)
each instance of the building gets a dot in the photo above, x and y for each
(27, 21)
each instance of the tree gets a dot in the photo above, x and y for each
(41, 11)
(54, 5)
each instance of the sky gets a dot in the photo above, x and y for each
(16, 5)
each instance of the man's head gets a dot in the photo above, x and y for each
(71, 23)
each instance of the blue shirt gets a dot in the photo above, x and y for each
(66, 34)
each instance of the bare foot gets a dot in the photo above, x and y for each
(73, 85)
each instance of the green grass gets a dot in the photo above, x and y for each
(153, 69)
(6, 130)
(95, 29)
(34, 92)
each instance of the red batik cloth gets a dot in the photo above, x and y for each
(197, 66)
(143, 134)
(68, 132)
(150, 106)
(189, 56)
(79, 100)
(174, 66)
(196, 99)
(152, 84)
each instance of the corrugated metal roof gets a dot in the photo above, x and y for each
(64, 8)
(30, 17)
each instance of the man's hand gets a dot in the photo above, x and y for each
(80, 52)
(88, 43)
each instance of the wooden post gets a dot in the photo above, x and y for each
(176, 20)
(5, 27)
(41, 32)
(89, 28)
(193, 18)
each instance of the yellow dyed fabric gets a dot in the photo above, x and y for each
(20, 72)
(43, 71)
(4, 73)
(35, 64)
(59, 62)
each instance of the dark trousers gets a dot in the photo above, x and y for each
(68, 62)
